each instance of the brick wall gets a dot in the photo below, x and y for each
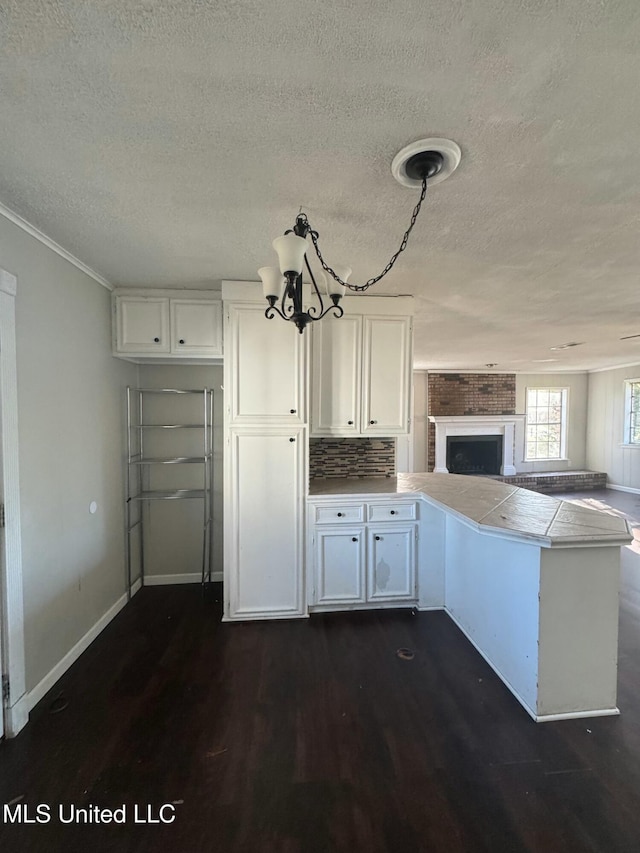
(468, 394)
(352, 457)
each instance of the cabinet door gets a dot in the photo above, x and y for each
(142, 324)
(386, 374)
(335, 382)
(196, 327)
(339, 566)
(391, 563)
(263, 538)
(267, 359)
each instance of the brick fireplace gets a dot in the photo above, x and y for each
(465, 394)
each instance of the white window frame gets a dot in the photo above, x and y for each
(563, 424)
(628, 397)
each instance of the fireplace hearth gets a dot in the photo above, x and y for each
(474, 454)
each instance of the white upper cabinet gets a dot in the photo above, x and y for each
(151, 327)
(386, 370)
(142, 325)
(268, 368)
(196, 327)
(336, 372)
(361, 373)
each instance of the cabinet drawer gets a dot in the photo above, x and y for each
(339, 513)
(393, 512)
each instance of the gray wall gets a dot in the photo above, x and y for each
(173, 544)
(605, 435)
(577, 383)
(70, 395)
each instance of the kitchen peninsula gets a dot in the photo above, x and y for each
(532, 581)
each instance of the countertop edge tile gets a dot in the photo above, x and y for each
(453, 491)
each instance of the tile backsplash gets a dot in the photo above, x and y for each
(352, 457)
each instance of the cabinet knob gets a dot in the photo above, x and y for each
(156, 340)
(350, 423)
(354, 538)
(393, 512)
(293, 411)
(181, 341)
(339, 515)
(377, 538)
(373, 422)
(292, 439)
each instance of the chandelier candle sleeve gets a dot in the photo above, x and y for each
(335, 287)
(291, 250)
(272, 282)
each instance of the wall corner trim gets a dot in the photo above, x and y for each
(8, 283)
(18, 220)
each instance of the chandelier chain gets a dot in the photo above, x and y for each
(403, 245)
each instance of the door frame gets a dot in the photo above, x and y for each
(12, 650)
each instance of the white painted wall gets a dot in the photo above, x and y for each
(174, 541)
(605, 436)
(70, 393)
(578, 604)
(419, 421)
(491, 592)
(577, 383)
(431, 556)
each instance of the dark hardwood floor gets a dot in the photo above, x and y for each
(311, 736)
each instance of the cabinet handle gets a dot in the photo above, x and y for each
(354, 538)
(350, 423)
(156, 340)
(373, 422)
(181, 341)
(292, 439)
(339, 515)
(293, 411)
(377, 538)
(393, 512)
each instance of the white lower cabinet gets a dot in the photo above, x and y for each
(391, 564)
(340, 565)
(362, 564)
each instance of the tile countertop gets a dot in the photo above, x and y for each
(490, 505)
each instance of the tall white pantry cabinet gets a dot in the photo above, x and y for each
(267, 377)
(266, 455)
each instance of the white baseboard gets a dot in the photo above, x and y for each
(164, 580)
(43, 686)
(623, 489)
(577, 715)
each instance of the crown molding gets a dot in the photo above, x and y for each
(18, 220)
(635, 363)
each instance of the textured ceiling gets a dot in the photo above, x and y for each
(166, 142)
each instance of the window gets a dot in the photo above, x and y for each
(632, 412)
(546, 423)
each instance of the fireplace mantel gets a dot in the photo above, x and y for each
(504, 425)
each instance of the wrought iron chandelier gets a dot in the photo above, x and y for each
(427, 161)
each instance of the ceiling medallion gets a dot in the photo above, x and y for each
(428, 161)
